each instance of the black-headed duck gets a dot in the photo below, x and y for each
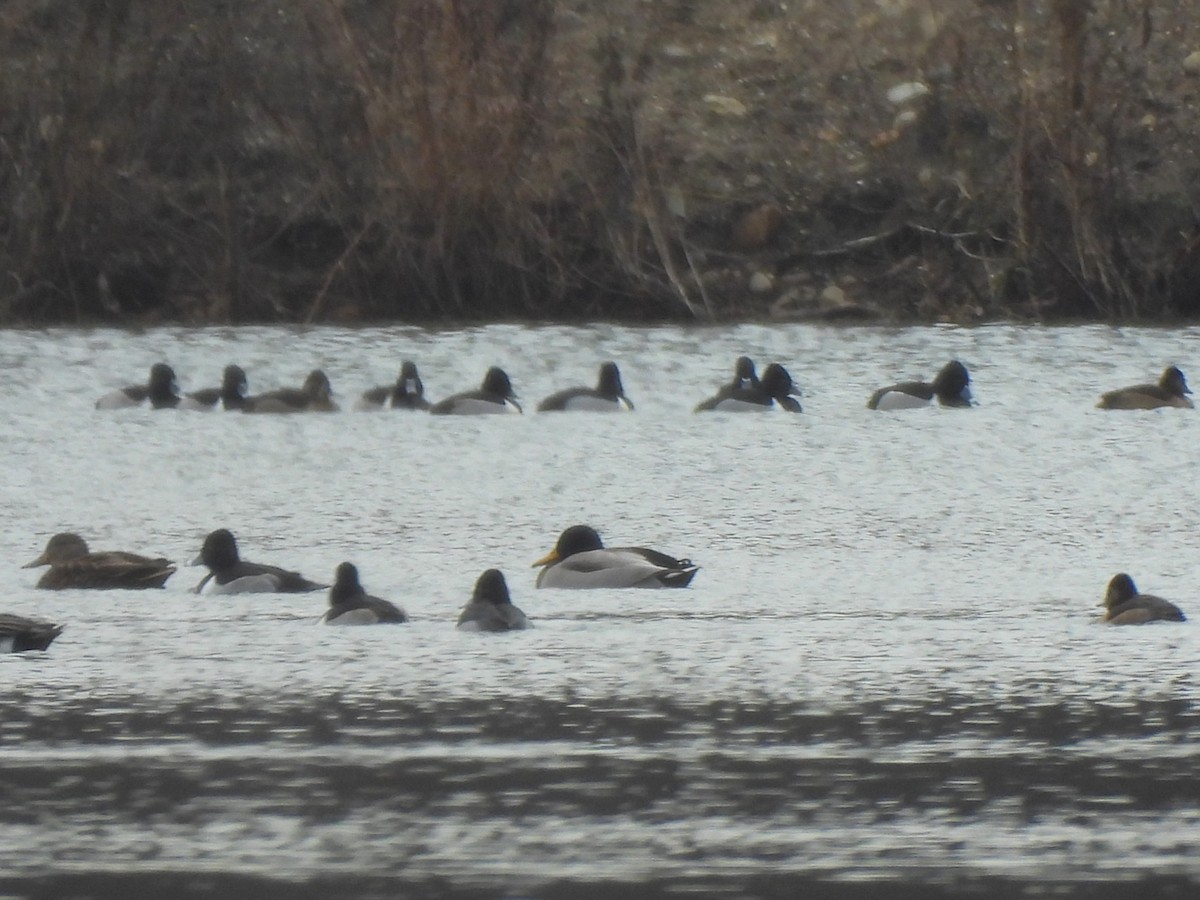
(230, 395)
(349, 604)
(161, 390)
(407, 393)
(495, 395)
(950, 387)
(228, 573)
(490, 608)
(607, 396)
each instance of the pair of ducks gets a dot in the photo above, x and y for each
(952, 387)
(162, 392)
(747, 393)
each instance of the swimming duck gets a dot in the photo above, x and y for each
(161, 390)
(1171, 390)
(743, 395)
(315, 396)
(1123, 605)
(607, 396)
(407, 393)
(744, 378)
(230, 574)
(349, 604)
(495, 395)
(18, 634)
(72, 565)
(951, 387)
(490, 608)
(231, 394)
(580, 560)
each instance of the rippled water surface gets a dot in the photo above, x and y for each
(886, 673)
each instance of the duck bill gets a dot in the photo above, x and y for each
(551, 557)
(198, 561)
(40, 561)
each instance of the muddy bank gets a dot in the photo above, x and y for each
(897, 160)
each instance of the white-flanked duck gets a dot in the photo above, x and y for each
(73, 565)
(1123, 605)
(316, 395)
(18, 633)
(407, 393)
(490, 608)
(230, 395)
(950, 387)
(495, 395)
(580, 560)
(349, 604)
(1172, 390)
(607, 396)
(161, 390)
(228, 573)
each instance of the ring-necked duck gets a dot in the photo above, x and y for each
(407, 393)
(18, 633)
(1123, 605)
(230, 574)
(315, 396)
(950, 387)
(349, 604)
(744, 378)
(231, 394)
(775, 387)
(607, 396)
(490, 608)
(161, 390)
(580, 560)
(1171, 390)
(72, 565)
(495, 395)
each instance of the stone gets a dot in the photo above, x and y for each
(761, 282)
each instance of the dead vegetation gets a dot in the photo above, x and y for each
(352, 160)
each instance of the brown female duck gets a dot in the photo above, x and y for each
(72, 565)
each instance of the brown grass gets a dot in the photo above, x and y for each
(478, 159)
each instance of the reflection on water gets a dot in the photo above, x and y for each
(886, 673)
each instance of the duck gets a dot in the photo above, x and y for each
(776, 388)
(495, 395)
(316, 395)
(950, 387)
(230, 395)
(580, 560)
(1172, 390)
(230, 574)
(407, 393)
(349, 604)
(607, 396)
(1123, 605)
(744, 378)
(73, 565)
(161, 390)
(490, 608)
(18, 633)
